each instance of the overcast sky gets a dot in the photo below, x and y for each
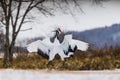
(94, 16)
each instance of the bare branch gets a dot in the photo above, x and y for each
(4, 6)
(17, 15)
(12, 21)
(3, 22)
(76, 3)
(26, 22)
(44, 11)
(36, 4)
(66, 1)
(22, 0)
(26, 29)
(99, 1)
(27, 10)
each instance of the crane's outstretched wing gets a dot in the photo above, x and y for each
(77, 44)
(65, 44)
(41, 47)
(33, 47)
(47, 42)
(70, 45)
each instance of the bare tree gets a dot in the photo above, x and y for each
(12, 22)
(1, 37)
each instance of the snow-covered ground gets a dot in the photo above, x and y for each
(10, 74)
(14, 55)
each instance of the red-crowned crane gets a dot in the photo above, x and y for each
(63, 48)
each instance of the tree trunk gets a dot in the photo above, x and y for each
(6, 45)
(11, 53)
(6, 54)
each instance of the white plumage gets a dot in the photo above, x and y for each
(83, 46)
(63, 49)
(63, 45)
(42, 45)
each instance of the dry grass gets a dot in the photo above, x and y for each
(93, 59)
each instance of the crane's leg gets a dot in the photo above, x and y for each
(51, 57)
(63, 63)
(49, 63)
(62, 67)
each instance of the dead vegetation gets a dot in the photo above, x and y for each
(93, 59)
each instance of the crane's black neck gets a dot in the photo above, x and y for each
(56, 35)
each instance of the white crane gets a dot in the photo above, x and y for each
(43, 47)
(64, 49)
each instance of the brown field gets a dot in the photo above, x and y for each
(93, 59)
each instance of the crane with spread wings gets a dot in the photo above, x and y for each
(63, 47)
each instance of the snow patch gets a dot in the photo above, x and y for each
(10, 74)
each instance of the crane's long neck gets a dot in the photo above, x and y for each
(59, 36)
(56, 35)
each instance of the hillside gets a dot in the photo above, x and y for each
(100, 37)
